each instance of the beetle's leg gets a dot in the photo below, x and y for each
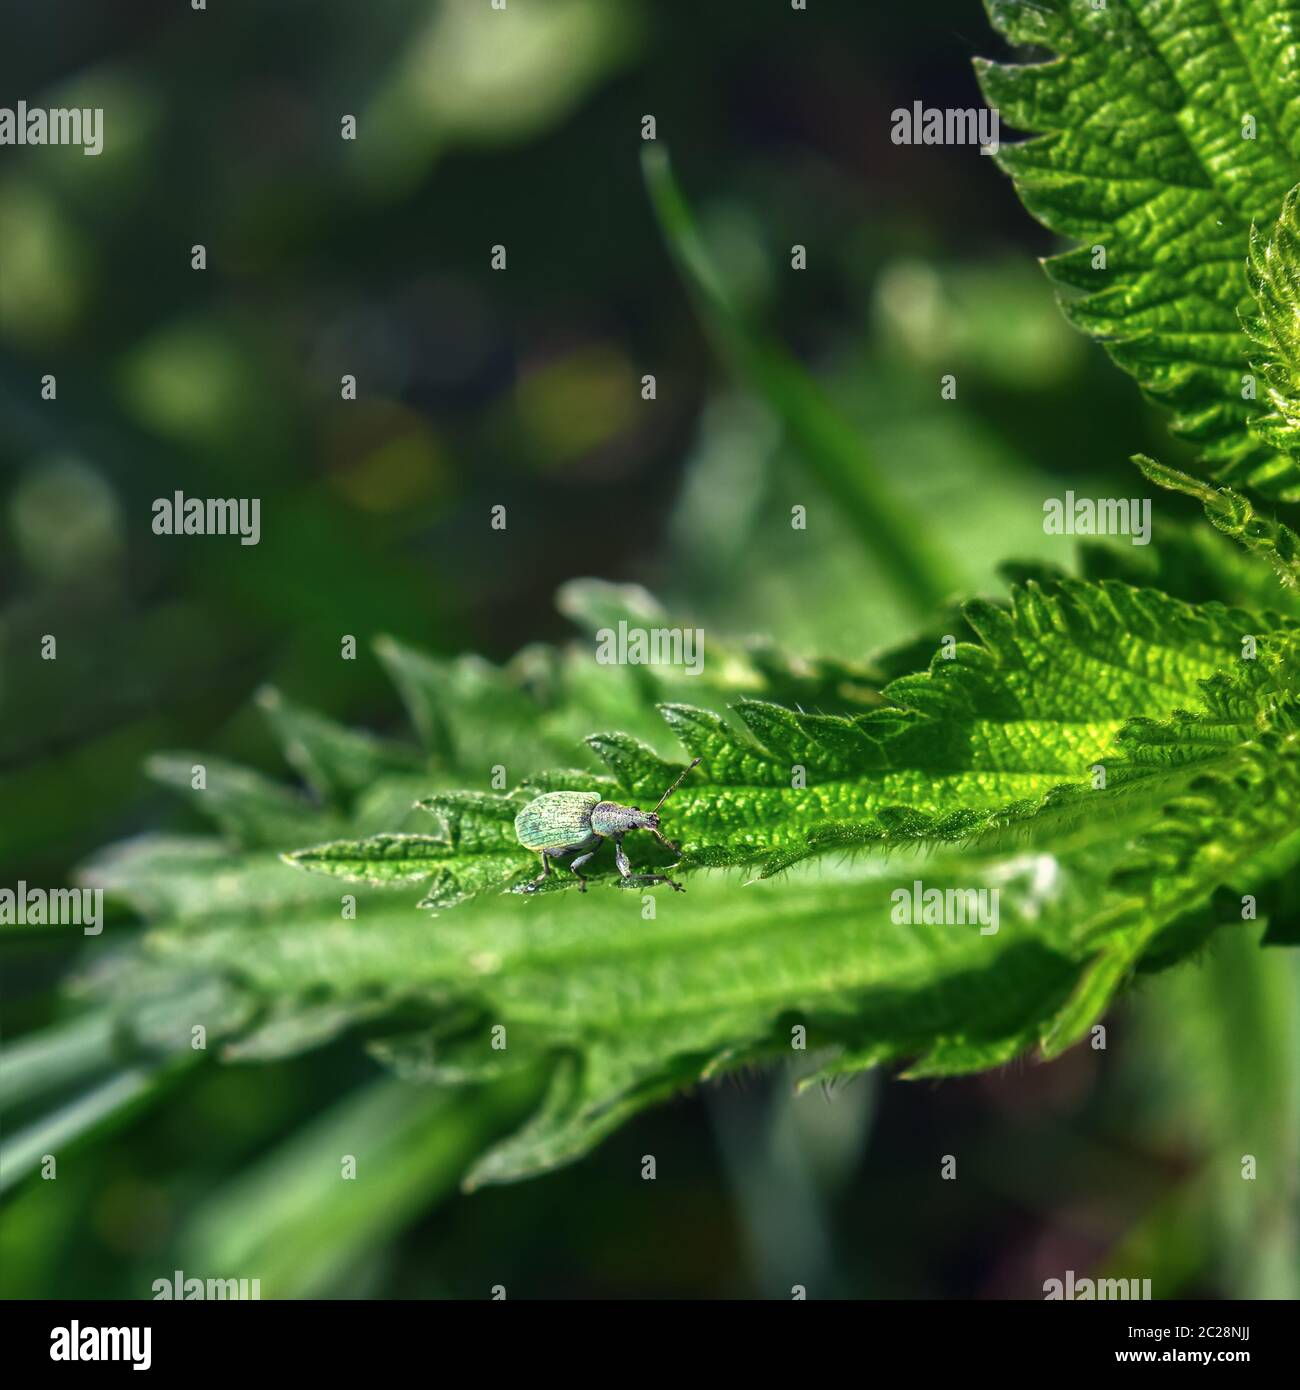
(625, 868)
(620, 857)
(667, 844)
(534, 884)
(574, 864)
(631, 879)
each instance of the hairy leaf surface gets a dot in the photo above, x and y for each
(1164, 130)
(1050, 721)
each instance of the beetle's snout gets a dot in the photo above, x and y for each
(652, 821)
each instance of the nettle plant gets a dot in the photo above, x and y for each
(1120, 763)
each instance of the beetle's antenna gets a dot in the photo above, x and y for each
(677, 783)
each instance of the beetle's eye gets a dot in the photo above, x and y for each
(636, 808)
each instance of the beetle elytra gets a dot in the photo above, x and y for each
(561, 823)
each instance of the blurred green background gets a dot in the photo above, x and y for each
(523, 388)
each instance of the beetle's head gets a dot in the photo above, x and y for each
(612, 818)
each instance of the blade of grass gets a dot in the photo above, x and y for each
(51, 1133)
(296, 1224)
(828, 443)
(55, 1057)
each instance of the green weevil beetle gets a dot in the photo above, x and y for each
(560, 823)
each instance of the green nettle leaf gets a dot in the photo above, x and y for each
(1166, 129)
(337, 763)
(1274, 273)
(821, 970)
(528, 716)
(249, 807)
(1019, 895)
(756, 666)
(1060, 693)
